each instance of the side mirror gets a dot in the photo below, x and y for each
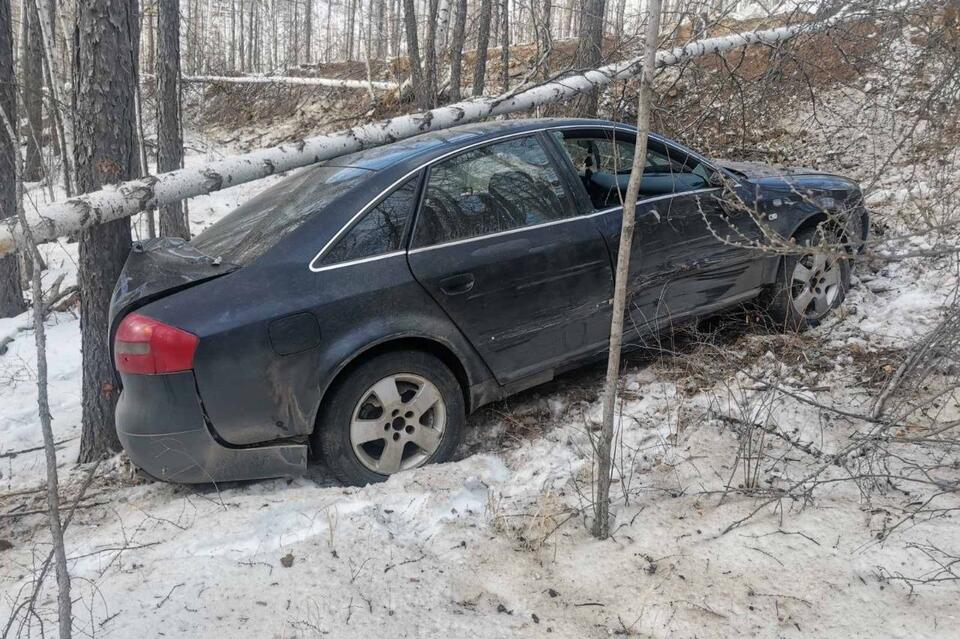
(717, 179)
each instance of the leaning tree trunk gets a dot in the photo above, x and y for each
(589, 53)
(11, 294)
(413, 53)
(32, 86)
(456, 49)
(483, 42)
(173, 221)
(66, 217)
(105, 152)
(604, 447)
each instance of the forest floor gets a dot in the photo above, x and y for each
(496, 543)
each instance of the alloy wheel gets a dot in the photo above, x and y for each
(398, 423)
(816, 284)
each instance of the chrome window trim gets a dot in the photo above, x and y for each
(375, 200)
(362, 260)
(554, 222)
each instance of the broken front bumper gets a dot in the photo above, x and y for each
(161, 426)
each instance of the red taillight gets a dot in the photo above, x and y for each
(145, 346)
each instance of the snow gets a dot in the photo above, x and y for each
(496, 543)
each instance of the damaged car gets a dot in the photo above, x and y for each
(360, 309)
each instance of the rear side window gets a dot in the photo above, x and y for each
(379, 231)
(491, 189)
(257, 225)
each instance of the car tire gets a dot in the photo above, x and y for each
(808, 285)
(354, 411)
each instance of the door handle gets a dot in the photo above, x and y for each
(651, 217)
(457, 284)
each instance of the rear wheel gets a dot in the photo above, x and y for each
(809, 285)
(394, 412)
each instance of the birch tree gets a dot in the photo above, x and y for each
(11, 294)
(105, 152)
(173, 220)
(601, 521)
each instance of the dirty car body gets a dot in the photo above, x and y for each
(507, 281)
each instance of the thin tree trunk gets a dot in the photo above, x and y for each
(144, 166)
(29, 247)
(430, 54)
(413, 54)
(32, 74)
(456, 49)
(240, 40)
(308, 32)
(351, 14)
(483, 42)
(505, 46)
(105, 152)
(589, 53)
(62, 124)
(601, 507)
(173, 222)
(233, 35)
(11, 293)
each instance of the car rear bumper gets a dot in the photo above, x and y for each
(161, 426)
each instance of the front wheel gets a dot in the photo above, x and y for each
(394, 412)
(809, 284)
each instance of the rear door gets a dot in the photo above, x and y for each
(500, 246)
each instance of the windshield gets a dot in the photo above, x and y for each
(257, 225)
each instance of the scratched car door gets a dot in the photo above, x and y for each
(500, 246)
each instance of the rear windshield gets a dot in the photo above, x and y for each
(257, 225)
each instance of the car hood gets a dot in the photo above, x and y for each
(789, 178)
(159, 267)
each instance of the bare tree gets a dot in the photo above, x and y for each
(173, 221)
(29, 246)
(505, 46)
(31, 75)
(413, 55)
(430, 54)
(601, 507)
(589, 52)
(11, 294)
(483, 42)
(308, 32)
(456, 48)
(105, 152)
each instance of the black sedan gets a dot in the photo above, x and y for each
(361, 308)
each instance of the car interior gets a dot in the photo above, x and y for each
(604, 165)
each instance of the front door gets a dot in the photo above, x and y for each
(500, 246)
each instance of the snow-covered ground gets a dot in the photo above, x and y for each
(495, 544)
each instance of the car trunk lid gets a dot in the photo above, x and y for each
(159, 267)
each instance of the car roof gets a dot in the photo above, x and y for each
(426, 145)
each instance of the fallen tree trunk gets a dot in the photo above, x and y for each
(58, 219)
(279, 79)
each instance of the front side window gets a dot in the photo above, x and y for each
(604, 165)
(380, 230)
(495, 188)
